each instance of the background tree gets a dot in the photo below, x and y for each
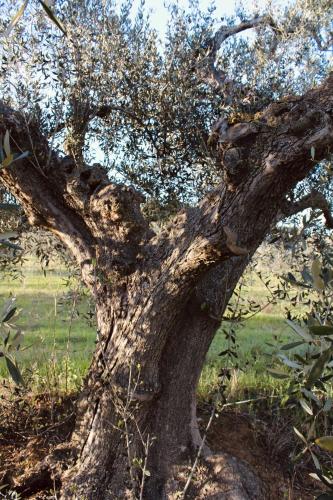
(208, 114)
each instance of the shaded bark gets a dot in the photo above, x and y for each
(164, 411)
(159, 297)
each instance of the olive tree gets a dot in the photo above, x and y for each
(103, 127)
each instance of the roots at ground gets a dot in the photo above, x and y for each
(34, 427)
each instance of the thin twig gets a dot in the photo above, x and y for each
(194, 466)
(144, 468)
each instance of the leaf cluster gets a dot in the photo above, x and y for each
(110, 87)
(307, 363)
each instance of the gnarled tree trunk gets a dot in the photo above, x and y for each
(165, 396)
(159, 297)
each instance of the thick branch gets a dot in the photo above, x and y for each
(207, 66)
(314, 200)
(225, 32)
(37, 182)
(93, 217)
(232, 221)
(77, 129)
(262, 160)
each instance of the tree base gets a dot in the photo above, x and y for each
(219, 477)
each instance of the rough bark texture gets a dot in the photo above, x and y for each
(159, 297)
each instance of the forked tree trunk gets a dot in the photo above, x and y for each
(159, 297)
(160, 411)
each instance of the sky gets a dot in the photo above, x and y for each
(159, 14)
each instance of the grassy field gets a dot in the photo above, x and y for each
(52, 316)
(54, 319)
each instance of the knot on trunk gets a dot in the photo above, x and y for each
(232, 143)
(239, 133)
(233, 244)
(235, 166)
(119, 227)
(79, 183)
(116, 211)
(293, 116)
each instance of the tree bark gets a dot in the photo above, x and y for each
(159, 297)
(162, 411)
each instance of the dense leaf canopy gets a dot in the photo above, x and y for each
(114, 90)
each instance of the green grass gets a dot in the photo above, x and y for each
(256, 340)
(61, 343)
(60, 338)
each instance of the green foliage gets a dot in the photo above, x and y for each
(135, 98)
(19, 14)
(11, 338)
(53, 303)
(309, 366)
